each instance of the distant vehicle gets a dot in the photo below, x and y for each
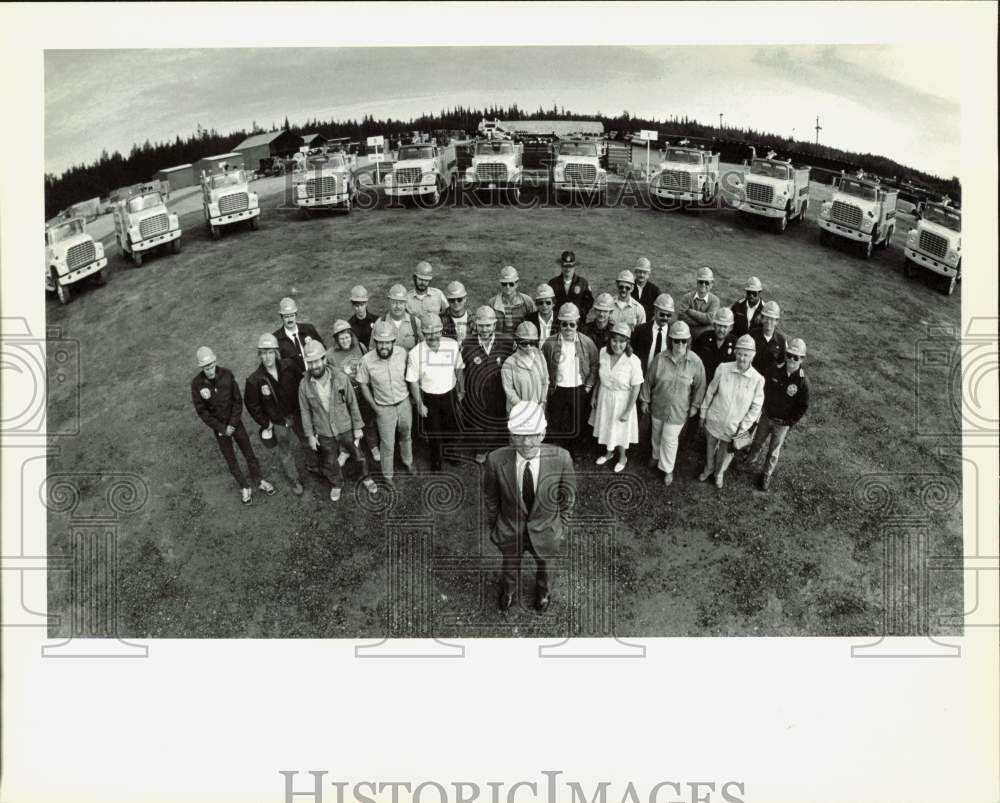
(71, 255)
(226, 199)
(774, 189)
(496, 167)
(422, 169)
(577, 168)
(935, 244)
(142, 224)
(326, 183)
(687, 174)
(860, 210)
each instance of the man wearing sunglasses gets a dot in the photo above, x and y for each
(627, 309)
(510, 305)
(456, 317)
(571, 286)
(599, 329)
(544, 318)
(786, 399)
(747, 312)
(698, 307)
(572, 360)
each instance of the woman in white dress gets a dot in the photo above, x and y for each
(613, 415)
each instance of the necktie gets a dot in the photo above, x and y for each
(528, 487)
(659, 340)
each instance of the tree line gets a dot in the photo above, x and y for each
(114, 170)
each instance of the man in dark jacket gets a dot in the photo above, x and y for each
(362, 320)
(271, 394)
(747, 311)
(484, 408)
(770, 342)
(544, 316)
(786, 399)
(217, 402)
(719, 345)
(599, 329)
(645, 292)
(570, 286)
(293, 336)
(650, 338)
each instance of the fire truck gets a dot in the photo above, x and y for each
(226, 199)
(935, 244)
(142, 224)
(772, 188)
(860, 211)
(70, 256)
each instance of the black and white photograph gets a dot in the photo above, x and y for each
(405, 349)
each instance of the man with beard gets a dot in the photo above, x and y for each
(599, 329)
(218, 403)
(434, 372)
(424, 298)
(271, 394)
(331, 418)
(571, 286)
(382, 379)
(484, 417)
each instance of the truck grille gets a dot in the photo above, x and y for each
(80, 255)
(846, 214)
(760, 193)
(236, 202)
(581, 173)
(491, 171)
(675, 180)
(933, 244)
(152, 226)
(408, 175)
(324, 185)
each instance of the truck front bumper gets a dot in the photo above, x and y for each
(845, 231)
(407, 190)
(84, 272)
(152, 242)
(314, 201)
(760, 209)
(493, 186)
(234, 217)
(930, 263)
(675, 195)
(584, 189)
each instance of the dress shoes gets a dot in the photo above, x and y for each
(505, 599)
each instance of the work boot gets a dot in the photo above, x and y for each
(668, 479)
(765, 481)
(297, 489)
(246, 495)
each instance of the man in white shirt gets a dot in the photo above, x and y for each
(544, 317)
(434, 372)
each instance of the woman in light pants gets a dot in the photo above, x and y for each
(672, 392)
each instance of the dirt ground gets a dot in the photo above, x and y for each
(809, 558)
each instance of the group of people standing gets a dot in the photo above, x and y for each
(616, 368)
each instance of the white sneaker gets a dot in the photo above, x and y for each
(342, 458)
(247, 496)
(266, 487)
(376, 454)
(370, 485)
(335, 494)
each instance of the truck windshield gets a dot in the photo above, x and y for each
(683, 156)
(65, 230)
(858, 189)
(416, 152)
(762, 167)
(949, 218)
(577, 149)
(230, 179)
(490, 148)
(142, 202)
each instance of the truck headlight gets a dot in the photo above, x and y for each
(701, 178)
(133, 233)
(867, 223)
(99, 250)
(300, 190)
(252, 198)
(470, 174)
(173, 221)
(824, 210)
(911, 238)
(213, 210)
(388, 179)
(951, 257)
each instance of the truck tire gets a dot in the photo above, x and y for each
(101, 277)
(782, 223)
(909, 269)
(515, 195)
(137, 258)
(64, 292)
(255, 223)
(824, 237)
(176, 246)
(214, 231)
(888, 238)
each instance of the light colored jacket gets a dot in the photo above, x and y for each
(341, 415)
(525, 377)
(733, 401)
(674, 391)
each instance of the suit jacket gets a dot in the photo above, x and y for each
(555, 495)
(741, 326)
(288, 350)
(642, 339)
(648, 295)
(579, 293)
(553, 328)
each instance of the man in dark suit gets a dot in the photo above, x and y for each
(530, 490)
(650, 338)
(770, 342)
(747, 311)
(293, 336)
(570, 286)
(645, 292)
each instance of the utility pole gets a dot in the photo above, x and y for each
(818, 129)
(720, 121)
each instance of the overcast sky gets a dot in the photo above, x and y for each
(877, 99)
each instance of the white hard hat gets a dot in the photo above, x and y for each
(797, 346)
(665, 302)
(544, 291)
(747, 343)
(455, 290)
(705, 274)
(424, 270)
(397, 293)
(314, 350)
(508, 274)
(754, 285)
(287, 306)
(358, 293)
(205, 356)
(267, 341)
(626, 276)
(642, 264)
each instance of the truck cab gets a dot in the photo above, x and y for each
(496, 166)
(226, 199)
(422, 169)
(861, 211)
(772, 188)
(142, 223)
(577, 168)
(326, 183)
(686, 174)
(70, 256)
(935, 244)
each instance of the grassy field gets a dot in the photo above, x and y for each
(808, 558)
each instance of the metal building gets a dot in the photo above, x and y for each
(259, 147)
(211, 164)
(177, 177)
(314, 140)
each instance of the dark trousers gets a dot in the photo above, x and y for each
(441, 422)
(229, 453)
(329, 448)
(312, 459)
(511, 566)
(567, 411)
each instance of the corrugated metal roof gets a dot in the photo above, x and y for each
(219, 156)
(560, 128)
(172, 169)
(260, 139)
